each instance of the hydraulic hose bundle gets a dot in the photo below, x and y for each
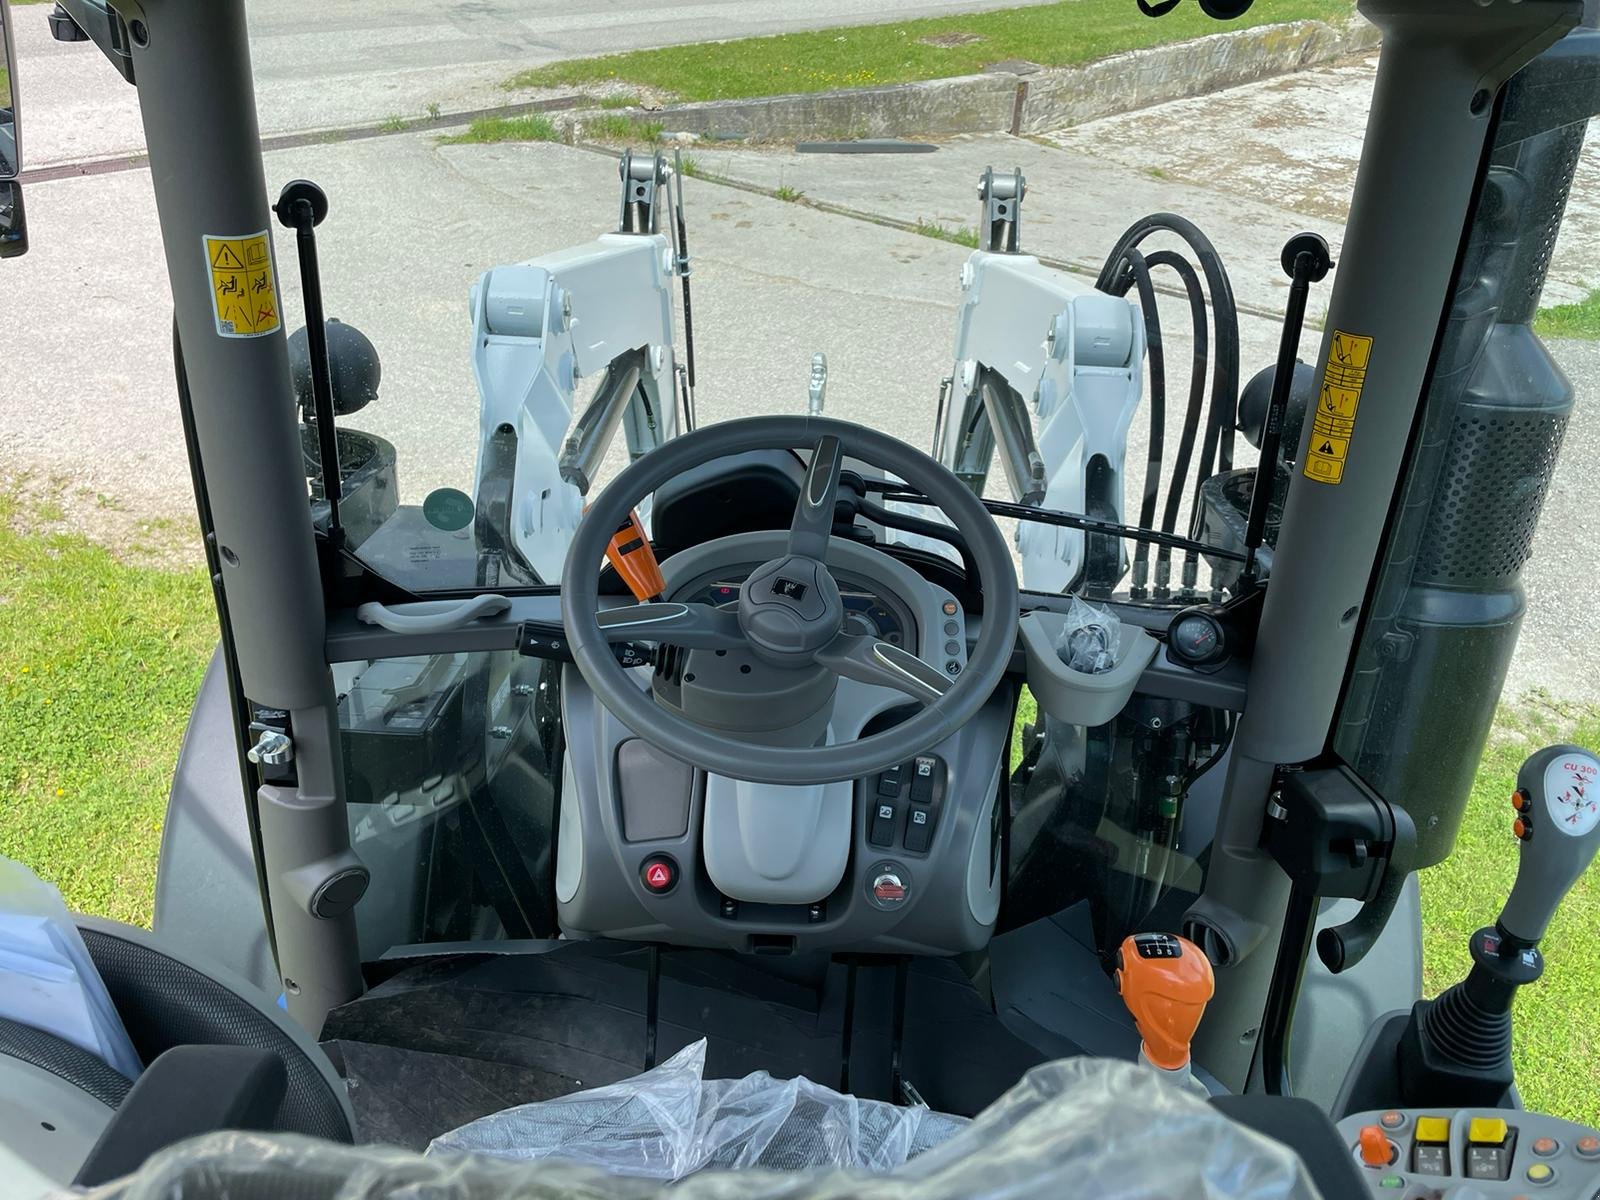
(1127, 268)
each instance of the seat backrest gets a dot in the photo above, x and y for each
(166, 999)
(85, 1071)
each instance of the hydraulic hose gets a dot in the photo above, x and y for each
(1197, 388)
(1217, 447)
(1137, 275)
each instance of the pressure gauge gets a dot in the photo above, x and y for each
(1197, 638)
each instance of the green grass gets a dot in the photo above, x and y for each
(620, 127)
(533, 127)
(962, 235)
(393, 123)
(871, 55)
(1580, 320)
(99, 664)
(785, 192)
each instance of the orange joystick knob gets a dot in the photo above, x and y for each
(630, 553)
(1165, 981)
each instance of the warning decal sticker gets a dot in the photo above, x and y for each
(1343, 377)
(244, 288)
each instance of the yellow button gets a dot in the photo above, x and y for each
(1539, 1172)
(1486, 1131)
(1435, 1129)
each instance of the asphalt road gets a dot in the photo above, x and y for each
(323, 64)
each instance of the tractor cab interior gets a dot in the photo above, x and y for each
(906, 761)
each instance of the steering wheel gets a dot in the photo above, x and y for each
(789, 613)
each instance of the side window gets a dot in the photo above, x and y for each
(452, 776)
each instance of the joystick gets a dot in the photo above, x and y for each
(1456, 1048)
(1166, 982)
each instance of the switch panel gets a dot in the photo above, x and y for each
(903, 804)
(1442, 1154)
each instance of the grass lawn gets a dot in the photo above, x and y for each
(99, 664)
(1580, 320)
(1055, 35)
(100, 661)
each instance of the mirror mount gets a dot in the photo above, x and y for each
(13, 220)
(96, 21)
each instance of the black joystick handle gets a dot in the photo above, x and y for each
(1558, 822)
(1457, 1049)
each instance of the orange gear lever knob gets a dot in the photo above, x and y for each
(1165, 981)
(629, 551)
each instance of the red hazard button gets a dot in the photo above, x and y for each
(660, 874)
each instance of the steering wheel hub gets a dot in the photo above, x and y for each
(789, 609)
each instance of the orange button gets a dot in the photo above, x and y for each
(1519, 827)
(1545, 1146)
(1520, 800)
(1589, 1145)
(1376, 1149)
(1392, 1120)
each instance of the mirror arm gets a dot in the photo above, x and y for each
(95, 21)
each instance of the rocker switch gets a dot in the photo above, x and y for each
(923, 772)
(919, 829)
(881, 832)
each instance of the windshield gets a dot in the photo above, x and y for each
(1049, 359)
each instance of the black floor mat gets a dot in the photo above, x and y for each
(485, 1032)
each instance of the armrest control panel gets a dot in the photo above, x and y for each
(1474, 1154)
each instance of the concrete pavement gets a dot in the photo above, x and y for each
(322, 64)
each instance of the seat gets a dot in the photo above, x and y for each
(218, 1054)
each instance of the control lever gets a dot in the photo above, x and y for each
(1456, 1048)
(631, 555)
(1166, 982)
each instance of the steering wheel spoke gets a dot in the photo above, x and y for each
(813, 512)
(696, 626)
(869, 660)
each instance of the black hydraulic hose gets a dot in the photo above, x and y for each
(1197, 388)
(1138, 275)
(1225, 315)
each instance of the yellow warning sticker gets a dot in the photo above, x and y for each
(1343, 377)
(244, 286)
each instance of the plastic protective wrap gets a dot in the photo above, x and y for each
(670, 1122)
(1092, 1128)
(47, 979)
(1091, 638)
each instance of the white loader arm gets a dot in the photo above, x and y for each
(1048, 372)
(538, 327)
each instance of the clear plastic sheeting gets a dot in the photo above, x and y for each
(1092, 1128)
(1091, 639)
(670, 1122)
(47, 979)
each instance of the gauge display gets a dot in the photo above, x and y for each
(1195, 638)
(865, 612)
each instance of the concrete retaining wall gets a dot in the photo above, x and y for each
(1043, 100)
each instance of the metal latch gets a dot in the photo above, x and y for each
(273, 747)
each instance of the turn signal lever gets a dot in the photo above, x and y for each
(1166, 982)
(1457, 1047)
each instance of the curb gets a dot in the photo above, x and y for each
(1045, 99)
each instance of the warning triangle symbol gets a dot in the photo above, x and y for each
(227, 260)
(1327, 448)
